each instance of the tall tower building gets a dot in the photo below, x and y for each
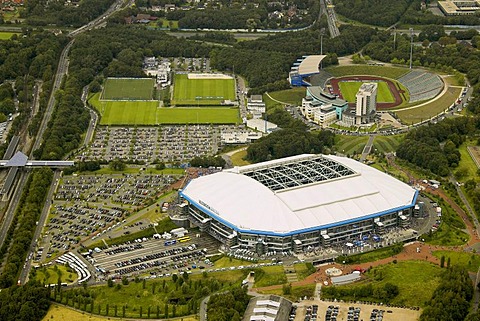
(366, 104)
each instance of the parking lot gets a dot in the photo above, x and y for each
(169, 143)
(153, 256)
(343, 311)
(91, 205)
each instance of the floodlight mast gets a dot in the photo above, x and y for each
(411, 47)
(322, 33)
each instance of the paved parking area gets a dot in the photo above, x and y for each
(166, 143)
(87, 206)
(153, 256)
(366, 311)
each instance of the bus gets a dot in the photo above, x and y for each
(184, 239)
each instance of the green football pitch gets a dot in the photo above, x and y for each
(350, 88)
(195, 92)
(128, 89)
(149, 113)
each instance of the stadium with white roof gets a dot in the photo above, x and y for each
(298, 202)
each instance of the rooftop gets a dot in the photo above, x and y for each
(297, 194)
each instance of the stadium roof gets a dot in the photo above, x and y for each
(319, 94)
(298, 194)
(310, 65)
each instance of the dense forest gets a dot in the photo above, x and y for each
(373, 12)
(390, 12)
(59, 13)
(24, 303)
(228, 305)
(435, 147)
(451, 299)
(20, 234)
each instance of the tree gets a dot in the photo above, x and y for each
(117, 165)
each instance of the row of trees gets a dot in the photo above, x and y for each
(176, 297)
(435, 147)
(207, 161)
(383, 293)
(451, 299)
(20, 234)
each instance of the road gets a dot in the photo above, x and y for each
(93, 119)
(367, 149)
(23, 278)
(62, 70)
(9, 214)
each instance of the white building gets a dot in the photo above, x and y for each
(298, 202)
(325, 115)
(365, 106)
(255, 104)
(261, 125)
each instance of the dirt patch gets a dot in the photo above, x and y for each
(380, 106)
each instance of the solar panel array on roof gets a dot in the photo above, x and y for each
(299, 173)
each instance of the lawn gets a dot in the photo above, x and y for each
(470, 261)
(62, 313)
(271, 275)
(149, 113)
(416, 281)
(128, 112)
(128, 88)
(50, 274)
(202, 115)
(292, 96)
(202, 91)
(385, 144)
(417, 114)
(349, 90)
(381, 71)
(7, 35)
(467, 166)
(348, 145)
(238, 158)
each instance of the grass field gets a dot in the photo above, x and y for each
(149, 113)
(470, 261)
(126, 88)
(381, 71)
(418, 114)
(385, 144)
(348, 145)
(290, 96)
(7, 35)
(61, 313)
(416, 281)
(50, 274)
(349, 90)
(202, 91)
(238, 158)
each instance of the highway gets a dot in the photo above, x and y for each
(62, 70)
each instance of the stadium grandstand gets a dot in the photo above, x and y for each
(298, 202)
(421, 85)
(320, 79)
(304, 68)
